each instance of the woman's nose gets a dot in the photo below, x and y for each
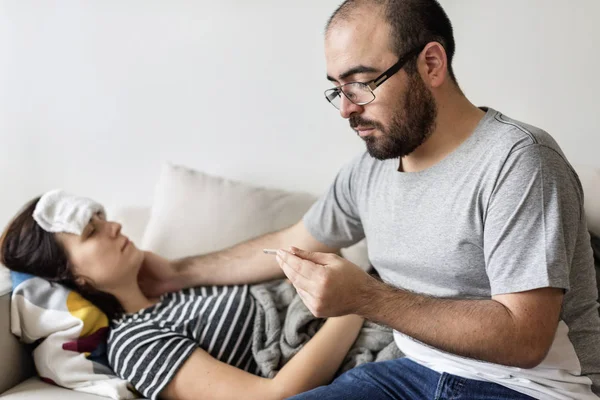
(115, 228)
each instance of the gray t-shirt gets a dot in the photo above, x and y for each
(501, 214)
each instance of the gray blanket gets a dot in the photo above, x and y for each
(283, 324)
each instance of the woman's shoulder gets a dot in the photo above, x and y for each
(145, 317)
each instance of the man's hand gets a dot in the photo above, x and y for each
(157, 275)
(328, 284)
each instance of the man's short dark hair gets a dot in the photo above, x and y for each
(413, 23)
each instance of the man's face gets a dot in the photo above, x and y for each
(403, 114)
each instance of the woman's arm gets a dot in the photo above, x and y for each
(317, 362)
(203, 376)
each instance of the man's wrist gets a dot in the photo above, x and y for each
(180, 271)
(369, 296)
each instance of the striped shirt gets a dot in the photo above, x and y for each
(148, 347)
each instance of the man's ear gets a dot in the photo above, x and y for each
(435, 65)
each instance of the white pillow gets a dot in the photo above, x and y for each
(70, 336)
(196, 213)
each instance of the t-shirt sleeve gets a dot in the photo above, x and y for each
(531, 222)
(334, 219)
(149, 358)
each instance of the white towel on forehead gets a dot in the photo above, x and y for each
(58, 211)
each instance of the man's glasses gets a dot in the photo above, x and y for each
(362, 93)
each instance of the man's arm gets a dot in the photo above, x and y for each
(512, 329)
(240, 264)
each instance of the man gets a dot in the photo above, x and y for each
(474, 223)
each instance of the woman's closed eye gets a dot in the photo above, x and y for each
(89, 230)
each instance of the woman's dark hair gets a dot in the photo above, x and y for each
(26, 247)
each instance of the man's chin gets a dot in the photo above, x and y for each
(378, 153)
(378, 150)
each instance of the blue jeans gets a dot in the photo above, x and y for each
(405, 379)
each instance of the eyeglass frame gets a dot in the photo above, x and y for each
(375, 83)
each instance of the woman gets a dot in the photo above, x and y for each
(190, 344)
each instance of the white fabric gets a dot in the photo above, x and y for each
(66, 328)
(195, 213)
(557, 377)
(35, 389)
(58, 211)
(5, 285)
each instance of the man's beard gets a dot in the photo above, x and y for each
(411, 125)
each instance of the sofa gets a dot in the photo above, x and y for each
(177, 190)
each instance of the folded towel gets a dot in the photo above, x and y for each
(58, 211)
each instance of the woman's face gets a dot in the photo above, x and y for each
(102, 257)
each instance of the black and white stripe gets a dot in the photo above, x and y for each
(147, 348)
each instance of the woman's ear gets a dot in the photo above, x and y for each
(81, 282)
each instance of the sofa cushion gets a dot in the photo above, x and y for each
(590, 180)
(196, 213)
(35, 389)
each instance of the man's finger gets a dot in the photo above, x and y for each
(298, 280)
(302, 267)
(316, 257)
(307, 298)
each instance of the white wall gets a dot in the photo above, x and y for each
(95, 95)
(537, 61)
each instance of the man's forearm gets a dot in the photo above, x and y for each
(479, 329)
(240, 264)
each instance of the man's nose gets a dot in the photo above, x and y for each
(347, 108)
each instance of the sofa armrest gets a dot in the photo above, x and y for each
(17, 364)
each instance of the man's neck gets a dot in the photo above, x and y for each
(456, 120)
